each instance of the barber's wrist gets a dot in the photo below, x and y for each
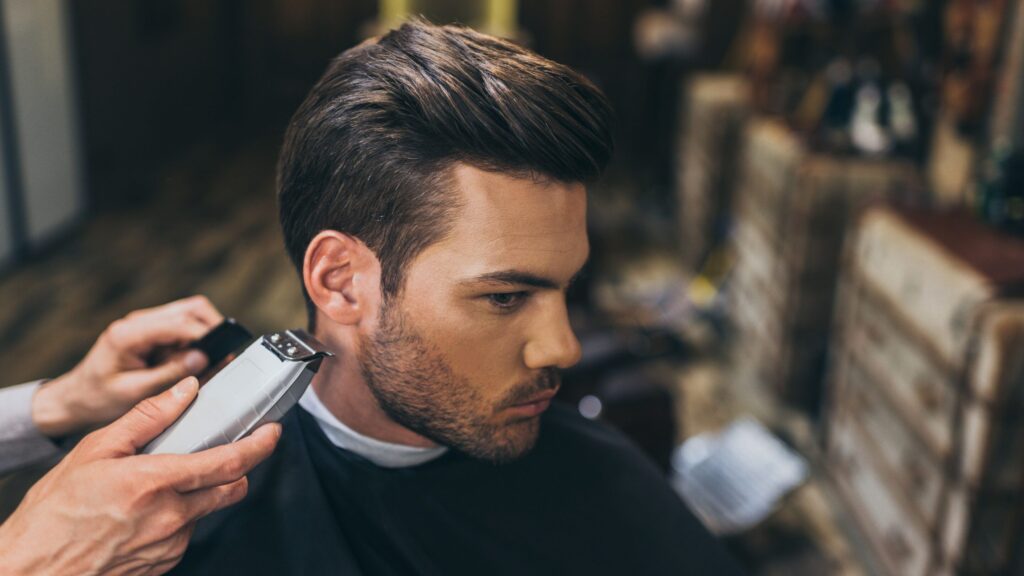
(16, 559)
(52, 407)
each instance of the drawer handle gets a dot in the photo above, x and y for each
(874, 333)
(896, 545)
(846, 465)
(916, 472)
(855, 401)
(930, 398)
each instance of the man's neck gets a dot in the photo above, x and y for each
(342, 389)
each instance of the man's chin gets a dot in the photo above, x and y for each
(514, 440)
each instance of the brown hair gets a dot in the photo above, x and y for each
(368, 151)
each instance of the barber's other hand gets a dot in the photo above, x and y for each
(105, 510)
(135, 357)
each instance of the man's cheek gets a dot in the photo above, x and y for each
(494, 359)
(475, 341)
(472, 325)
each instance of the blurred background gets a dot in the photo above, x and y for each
(804, 296)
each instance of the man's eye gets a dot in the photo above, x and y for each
(506, 300)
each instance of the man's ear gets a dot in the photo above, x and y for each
(342, 276)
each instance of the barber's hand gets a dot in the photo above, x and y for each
(105, 510)
(135, 357)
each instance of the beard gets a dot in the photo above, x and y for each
(417, 388)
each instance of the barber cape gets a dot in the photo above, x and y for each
(583, 501)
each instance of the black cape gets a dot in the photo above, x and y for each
(583, 501)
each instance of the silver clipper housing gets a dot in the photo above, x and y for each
(259, 386)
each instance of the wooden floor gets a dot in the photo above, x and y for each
(211, 228)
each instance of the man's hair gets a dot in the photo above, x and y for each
(368, 152)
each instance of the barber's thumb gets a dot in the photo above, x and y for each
(155, 414)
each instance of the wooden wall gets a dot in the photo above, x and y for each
(158, 76)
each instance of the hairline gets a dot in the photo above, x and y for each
(444, 177)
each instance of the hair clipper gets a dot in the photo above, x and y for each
(259, 386)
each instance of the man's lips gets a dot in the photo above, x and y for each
(534, 406)
(542, 397)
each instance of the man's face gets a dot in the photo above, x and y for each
(467, 355)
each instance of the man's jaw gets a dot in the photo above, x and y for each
(342, 389)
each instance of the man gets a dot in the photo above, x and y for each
(432, 195)
(103, 509)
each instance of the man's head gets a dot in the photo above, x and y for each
(432, 196)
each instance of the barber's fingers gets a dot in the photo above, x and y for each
(202, 308)
(126, 435)
(201, 502)
(220, 465)
(173, 324)
(198, 307)
(148, 381)
(141, 332)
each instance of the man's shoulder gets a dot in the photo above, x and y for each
(626, 493)
(567, 438)
(564, 425)
(268, 532)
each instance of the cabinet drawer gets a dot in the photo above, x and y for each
(934, 290)
(924, 393)
(920, 477)
(884, 517)
(992, 453)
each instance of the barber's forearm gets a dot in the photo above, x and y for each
(21, 442)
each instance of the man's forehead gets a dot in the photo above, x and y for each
(505, 222)
(515, 206)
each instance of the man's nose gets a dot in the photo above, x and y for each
(553, 344)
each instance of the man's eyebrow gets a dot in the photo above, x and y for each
(520, 278)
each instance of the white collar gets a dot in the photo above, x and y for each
(383, 454)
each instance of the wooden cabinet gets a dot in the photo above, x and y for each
(928, 366)
(791, 210)
(716, 109)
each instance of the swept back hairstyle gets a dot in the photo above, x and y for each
(368, 152)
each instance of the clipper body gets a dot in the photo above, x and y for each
(257, 387)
